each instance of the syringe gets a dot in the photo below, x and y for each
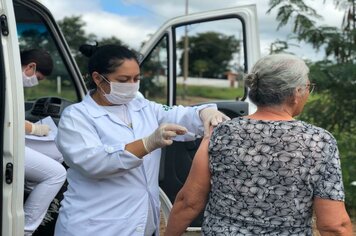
(193, 134)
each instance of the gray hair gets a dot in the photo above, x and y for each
(274, 78)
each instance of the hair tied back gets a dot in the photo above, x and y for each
(88, 49)
(252, 80)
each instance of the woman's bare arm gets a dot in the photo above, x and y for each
(332, 218)
(191, 199)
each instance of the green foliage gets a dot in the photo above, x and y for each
(73, 31)
(201, 66)
(149, 88)
(47, 88)
(33, 38)
(336, 86)
(303, 16)
(321, 111)
(346, 144)
(280, 46)
(209, 54)
(151, 69)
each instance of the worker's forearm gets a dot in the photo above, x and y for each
(137, 148)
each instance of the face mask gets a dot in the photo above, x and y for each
(121, 93)
(29, 81)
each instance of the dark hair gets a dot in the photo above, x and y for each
(105, 59)
(42, 58)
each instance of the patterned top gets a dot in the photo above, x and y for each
(265, 174)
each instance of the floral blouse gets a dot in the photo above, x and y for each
(265, 175)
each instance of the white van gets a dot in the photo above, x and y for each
(27, 22)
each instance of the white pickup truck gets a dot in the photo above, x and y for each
(27, 22)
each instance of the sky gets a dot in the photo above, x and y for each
(132, 21)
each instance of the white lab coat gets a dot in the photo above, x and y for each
(109, 189)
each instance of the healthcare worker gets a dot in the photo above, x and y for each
(44, 176)
(111, 142)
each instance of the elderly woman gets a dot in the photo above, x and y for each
(265, 174)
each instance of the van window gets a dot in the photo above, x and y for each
(34, 33)
(209, 64)
(154, 73)
(210, 61)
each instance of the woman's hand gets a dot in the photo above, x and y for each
(162, 136)
(36, 129)
(211, 117)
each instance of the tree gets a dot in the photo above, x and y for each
(75, 35)
(33, 38)
(336, 41)
(73, 31)
(210, 53)
(111, 40)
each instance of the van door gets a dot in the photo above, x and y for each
(11, 125)
(27, 24)
(189, 60)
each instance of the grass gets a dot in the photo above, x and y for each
(48, 88)
(211, 93)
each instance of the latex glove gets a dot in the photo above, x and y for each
(163, 136)
(40, 130)
(211, 117)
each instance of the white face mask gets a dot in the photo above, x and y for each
(121, 93)
(29, 81)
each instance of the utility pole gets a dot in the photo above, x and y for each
(186, 55)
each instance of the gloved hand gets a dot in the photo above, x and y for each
(40, 130)
(162, 136)
(211, 117)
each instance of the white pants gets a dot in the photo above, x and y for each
(45, 177)
(47, 148)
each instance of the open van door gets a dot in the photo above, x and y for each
(166, 77)
(12, 128)
(28, 24)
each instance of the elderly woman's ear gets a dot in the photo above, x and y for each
(299, 92)
(294, 99)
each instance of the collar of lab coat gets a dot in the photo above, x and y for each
(96, 110)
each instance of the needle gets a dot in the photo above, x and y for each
(193, 135)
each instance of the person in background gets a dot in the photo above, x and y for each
(265, 174)
(112, 143)
(36, 65)
(44, 176)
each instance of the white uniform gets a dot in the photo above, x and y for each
(44, 177)
(109, 189)
(47, 148)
